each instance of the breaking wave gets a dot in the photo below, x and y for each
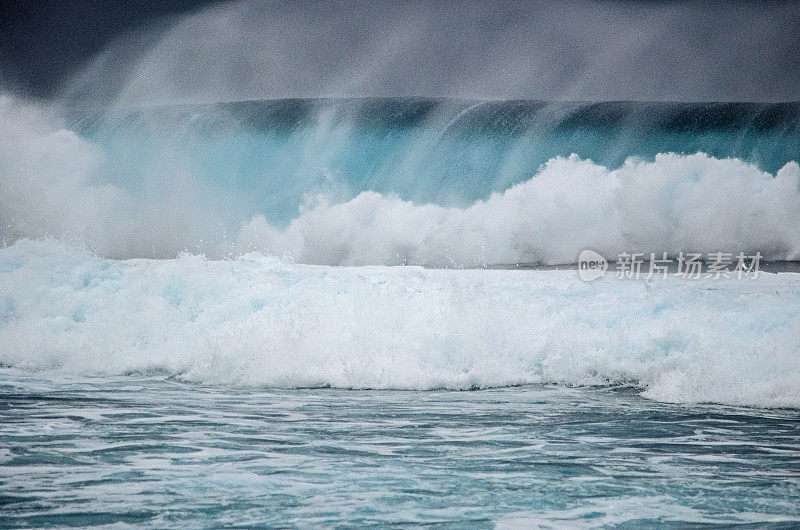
(427, 182)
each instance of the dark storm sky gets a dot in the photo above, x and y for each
(43, 41)
(189, 50)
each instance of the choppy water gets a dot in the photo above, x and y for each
(156, 452)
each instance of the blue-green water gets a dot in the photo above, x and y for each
(155, 452)
(268, 155)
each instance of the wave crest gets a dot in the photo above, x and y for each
(676, 203)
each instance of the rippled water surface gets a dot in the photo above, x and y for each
(150, 451)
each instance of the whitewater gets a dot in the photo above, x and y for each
(260, 321)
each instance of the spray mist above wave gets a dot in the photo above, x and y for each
(195, 185)
(560, 50)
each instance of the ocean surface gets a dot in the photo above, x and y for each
(153, 451)
(366, 312)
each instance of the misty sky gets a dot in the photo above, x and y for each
(141, 52)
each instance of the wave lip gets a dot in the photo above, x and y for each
(259, 321)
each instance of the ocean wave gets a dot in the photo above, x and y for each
(257, 320)
(57, 183)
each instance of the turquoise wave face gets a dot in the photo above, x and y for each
(266, 157)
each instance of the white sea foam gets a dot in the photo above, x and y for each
(259, 321)
(675, 203)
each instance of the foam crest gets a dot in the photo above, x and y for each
(675, 203)
(259, 321)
